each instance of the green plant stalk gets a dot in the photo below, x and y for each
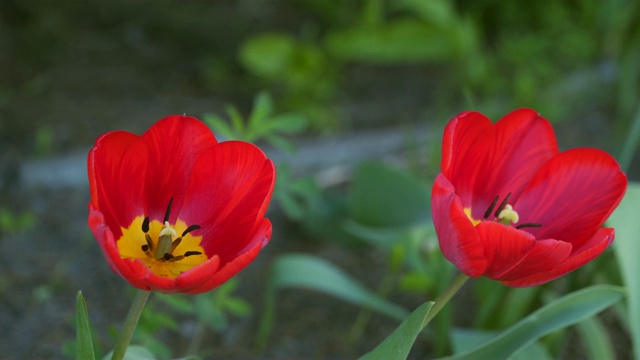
(444, 298)
(130, 324)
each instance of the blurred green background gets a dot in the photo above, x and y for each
(329, 86)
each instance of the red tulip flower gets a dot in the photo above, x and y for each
(174, 210)
(509, 206)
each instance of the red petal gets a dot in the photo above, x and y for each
(464, 151)
(175, 143)
(457, 236)
(523, 142)
(589, 251)
(105, 239)
(572, 195)
(231, 185)
(504, 247)
(483, 161)
(259, 240)
(514, 254)
(117, 168)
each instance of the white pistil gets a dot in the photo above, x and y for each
(164, 241)
(508, 215)
(168, 230)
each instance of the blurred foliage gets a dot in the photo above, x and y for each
(206, 314)
(13, 222)
(569, 60)
(261, 124)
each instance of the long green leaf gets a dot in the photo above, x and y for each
(310, 272)
(397, 345)
(627, 248)
(84, 345)
(313, 273)
(468, 339)
(568, 310)
(137, 352)
(596, 339)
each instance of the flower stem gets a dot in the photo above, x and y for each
(130, 324)
(444, 298)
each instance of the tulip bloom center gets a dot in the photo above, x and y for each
(504, 214)
(169, 255)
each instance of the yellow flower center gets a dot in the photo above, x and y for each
(160, 248)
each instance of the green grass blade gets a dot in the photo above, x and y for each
(568, 310)
(627, 248)
(313, 273)
(596, 339)
(84, 344)
(397, 345)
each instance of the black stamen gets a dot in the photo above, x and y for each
(190, 253)
(145, 248)
(190, 229)
(175, 244)
(490, 209)
(167, 256)
(528, 225)
(145, 225)
(502, 204)
(166, 215)
(149, 242)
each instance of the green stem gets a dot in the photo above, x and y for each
(130, 324)
(444, 298)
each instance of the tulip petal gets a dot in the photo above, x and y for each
(174, 143)
(457, 236)
(483, 161)
(105, 239)
(523, 142)
(572, 195)
(512, 254)
(587, 252)
(464, 149)
(504, 247)
(117, 168)
(259, 240)
(231, 185)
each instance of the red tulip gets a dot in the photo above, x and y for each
(174, 210)
(507, 205)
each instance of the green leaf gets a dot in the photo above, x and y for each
(177, 302)
(399, 343)
(568, 310)
(84, 344)
(237, 121)
(313, 273)
(403, 40)
(237, 306)
(281, 143)
(596, 339)
(134, 352)
(467, 339)
(384, 197)
(219, 126)
(268, 55)
(627, 248)
(288, 123)
(262, 108)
